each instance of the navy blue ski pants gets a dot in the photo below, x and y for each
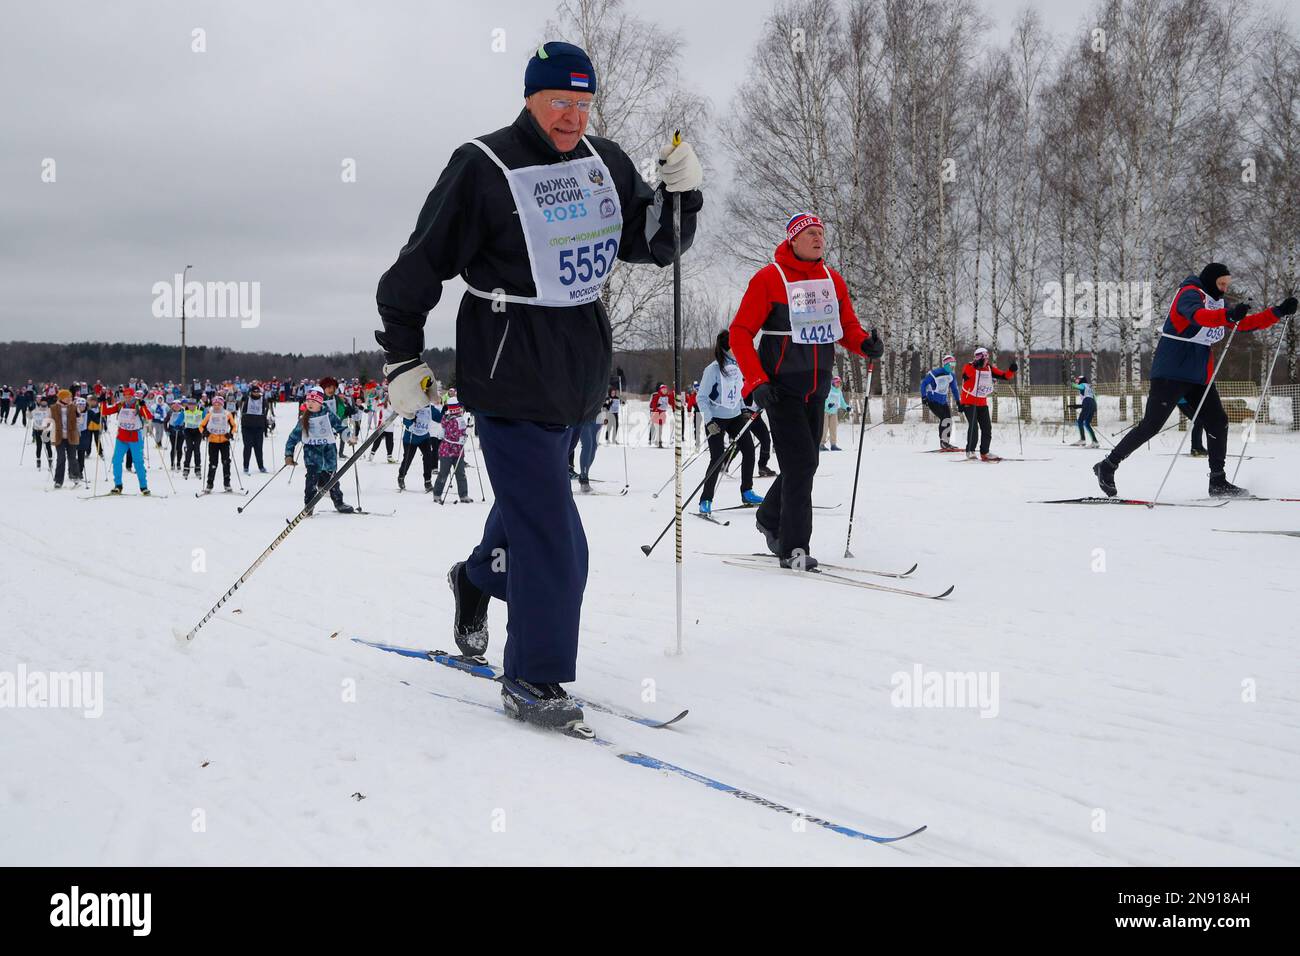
(533, 554)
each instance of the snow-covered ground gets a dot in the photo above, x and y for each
(1146, 708)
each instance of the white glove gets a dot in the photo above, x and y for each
(680, 169)
(411, 386)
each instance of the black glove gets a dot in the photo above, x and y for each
(873, 347)
(1013, 367)
(763, 395)
(1237, 312)
(712, 428)
(1075, 405)
(1286, 308)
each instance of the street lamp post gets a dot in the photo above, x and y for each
(183, 275)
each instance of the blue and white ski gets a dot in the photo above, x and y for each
(654, 763)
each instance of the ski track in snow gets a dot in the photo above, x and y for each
(1119, 690)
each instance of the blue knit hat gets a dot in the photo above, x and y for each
(559, 66)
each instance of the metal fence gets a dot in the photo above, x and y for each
(1050, 404)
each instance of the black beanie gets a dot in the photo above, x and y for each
(1210, 277)
(559, 66)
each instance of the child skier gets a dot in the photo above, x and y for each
(451, 453)
(316, 428)
(192, 419)
(723, 410)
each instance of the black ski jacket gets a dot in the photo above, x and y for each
(530, 362)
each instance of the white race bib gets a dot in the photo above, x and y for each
(129, 418)
(254, 407)
(218, 424)
(319, 430)
(814, 310)
(983, 383)
(572, 221)
(420, 426)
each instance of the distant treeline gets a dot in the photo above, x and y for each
(643, 370)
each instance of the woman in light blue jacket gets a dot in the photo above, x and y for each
(723, 410)
(831, 428)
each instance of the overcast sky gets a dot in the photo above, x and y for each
(231, 159)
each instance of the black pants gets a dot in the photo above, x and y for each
(192, 450)
(4, 410)
(944, 414)
(388, 443)
(177, 436)
(219, 451)
(732, 427)
(253, 436)
(315, 479)
(1198, 427)
(787, 506)
(1161, 402)
(67, 455)
(445, 466)
(978, 425)
(764, 439)
(426, 448)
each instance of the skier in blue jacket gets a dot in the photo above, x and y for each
(316, 428)
(936, 386)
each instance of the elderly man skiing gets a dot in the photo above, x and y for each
(533, 217)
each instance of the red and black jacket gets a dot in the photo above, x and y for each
(793, 368)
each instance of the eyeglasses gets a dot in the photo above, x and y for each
(584, 106)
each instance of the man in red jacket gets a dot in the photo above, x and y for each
(783, 336)
(976, 387)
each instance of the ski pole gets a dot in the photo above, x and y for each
(321, 492)
(857, 470)
(647, 548)
(1263, 396)
(1218, 367)
(240, 509)
(482, 495)
(677, 387)
(1015, 387)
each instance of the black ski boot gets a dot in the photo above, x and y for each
(1221, 487)
(428, 487)
(765, 472)
(770, 536)
(1105, 473)
(117, 490)
(343, 508)
(470, 629)
(401, 484)
(584, 485)
(799, 562)
(546, 705)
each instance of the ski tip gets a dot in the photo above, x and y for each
(920, 829)
(671, 721)
(951, 588)
(645, 549)
(910, 570)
